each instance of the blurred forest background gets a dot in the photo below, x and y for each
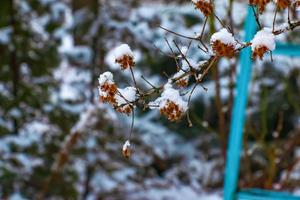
(59, 142)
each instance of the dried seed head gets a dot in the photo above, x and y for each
(172, 111)
(263, 41)
(126, 149)
(261, 4)
(170, 103)
(125, 109)
(124, 56)
(223, 50)
(182, 82)
(223, 43)
(183, 79)
(107, 88)
(205, 6)
(259, 52)
(107, 93)
(125, 62)
(282, 4)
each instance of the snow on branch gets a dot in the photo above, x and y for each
(169, 98)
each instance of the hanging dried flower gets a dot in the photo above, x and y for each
(171, 110)
(125, 109)
(263, 41)
(126, 149)
(259, 52)
(170, 104)
(205, 6)
(124, 56)
(107, 88)
(223, 43)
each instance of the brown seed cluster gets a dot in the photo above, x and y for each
(126, 152)
(172, 111)
(125, 61)
(126, 149)
(282, 4)
(223, 50)
(261, 4)
(125, 109)
(259, 52)
(205, 7)
(183, 82)
(109, 96)
(110, 89)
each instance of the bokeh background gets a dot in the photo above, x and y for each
(57, 141)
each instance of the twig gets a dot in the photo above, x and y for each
(132, 124)
(256, 15)
(274, 19)
(178, 34)
(148, 82)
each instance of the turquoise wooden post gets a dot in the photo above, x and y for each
(238, 114)
(238, 120)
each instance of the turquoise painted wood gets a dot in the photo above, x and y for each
(259, 194)
(238, 119)
(287, 50)
(238, 114)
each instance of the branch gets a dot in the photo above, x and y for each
(289, 27)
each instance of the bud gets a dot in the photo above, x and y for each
(126, 149)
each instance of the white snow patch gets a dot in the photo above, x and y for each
(223, 36)
(106, 77)
(121, 51)
(264, 37)
(196, 1)
(5, 34)
(170, 94)
(127, 95)
(126, 145)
